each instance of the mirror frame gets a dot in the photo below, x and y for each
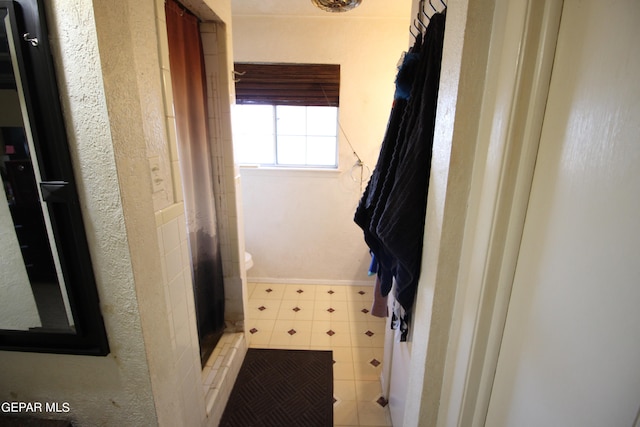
(50, 140)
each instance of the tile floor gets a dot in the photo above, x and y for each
(319, 317)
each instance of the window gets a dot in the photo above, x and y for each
(286, 115)
(285, 135)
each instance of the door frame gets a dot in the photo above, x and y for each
(520, 61)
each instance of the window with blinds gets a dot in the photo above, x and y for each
(288, 84)
(286, 114)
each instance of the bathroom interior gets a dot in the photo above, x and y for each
(495, 334)
(277, 228)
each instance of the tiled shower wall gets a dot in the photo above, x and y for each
(173, 245)
(176, 273)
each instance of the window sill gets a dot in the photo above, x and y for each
(283, 171)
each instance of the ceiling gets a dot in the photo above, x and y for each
(393, 9)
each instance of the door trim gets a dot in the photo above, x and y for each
(521, 55)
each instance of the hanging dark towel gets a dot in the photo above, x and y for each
(392, 212)
(364, 212)
(400, 221)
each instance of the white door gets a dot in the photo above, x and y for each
(570, 353)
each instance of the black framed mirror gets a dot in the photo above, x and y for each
(48, 296)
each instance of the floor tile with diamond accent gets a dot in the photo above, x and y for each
(325, 317)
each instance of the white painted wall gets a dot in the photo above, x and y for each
(570, 348)
(299, 224)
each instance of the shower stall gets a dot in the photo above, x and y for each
(197, 172)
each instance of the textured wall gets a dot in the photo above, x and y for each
(116, 389)
(111, 60)
(133, 90)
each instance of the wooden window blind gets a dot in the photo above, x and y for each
(288, 84)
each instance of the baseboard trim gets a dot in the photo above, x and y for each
(328, 282)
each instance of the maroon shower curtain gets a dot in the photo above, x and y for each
(190, 103)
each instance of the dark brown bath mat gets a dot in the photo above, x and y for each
(282, 388)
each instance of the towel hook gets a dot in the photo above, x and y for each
(421, 9)
(421, 23)
(415, 36)
(426, 15)
(236, 74)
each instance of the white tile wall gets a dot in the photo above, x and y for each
(220, 372)
(177, 289)
(213, 383)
